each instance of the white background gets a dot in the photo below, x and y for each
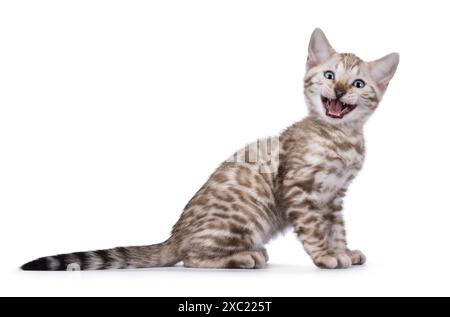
(114, 113)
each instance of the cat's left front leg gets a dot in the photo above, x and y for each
(337, 239)
(313, 230)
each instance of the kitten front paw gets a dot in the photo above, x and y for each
(358, 258)
(333, 260)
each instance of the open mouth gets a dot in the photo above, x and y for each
(335, 108)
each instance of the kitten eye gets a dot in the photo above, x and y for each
(359, 83)
(328, 75)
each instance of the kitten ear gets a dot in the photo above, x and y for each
(382, 70)
(319, 49)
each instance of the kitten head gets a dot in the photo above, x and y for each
(342, 88)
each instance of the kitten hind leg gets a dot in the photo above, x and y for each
(239, 260)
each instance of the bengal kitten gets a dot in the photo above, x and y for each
(297, 179)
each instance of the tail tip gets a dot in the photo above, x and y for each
(35, 265)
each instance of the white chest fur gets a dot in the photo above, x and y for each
(336, 166)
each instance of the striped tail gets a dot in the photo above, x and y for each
(161, 254)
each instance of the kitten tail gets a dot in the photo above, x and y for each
(156, 255)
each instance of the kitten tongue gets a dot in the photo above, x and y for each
(335, 107)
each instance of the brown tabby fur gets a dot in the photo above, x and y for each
(295, 180)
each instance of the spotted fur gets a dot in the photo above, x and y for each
(298, 180)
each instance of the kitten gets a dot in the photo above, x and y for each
(297, 179)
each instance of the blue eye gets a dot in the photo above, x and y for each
(328, 75)
(359, 83)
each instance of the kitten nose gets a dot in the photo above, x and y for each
(339, 91)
